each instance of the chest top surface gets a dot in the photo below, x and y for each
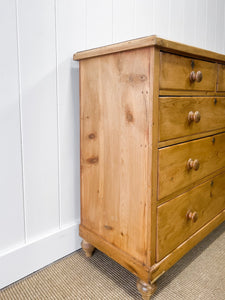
(152, 40)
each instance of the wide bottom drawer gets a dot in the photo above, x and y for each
(180, 217)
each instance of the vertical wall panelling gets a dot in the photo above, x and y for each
(69, 18)
(39, 111)
(223, 30)
(99, 23)
(39, 108)
(162, 18)
(57, 116)
(190, 20)
(201, 20)
(211, 9)
(176, 28)
(123, 20)
(144, 15)
(220, 26)
(11, 196)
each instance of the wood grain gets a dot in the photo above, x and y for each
(88, 248)
(127, 261)
(173, 172)
(142, 121)
(189, 138)
(159, 268)
(117, 47)
(175, 73)
(187, 188)
(115, 148)
(153, 154)
(151, 41)
(146, 290)
(221, 78)
(173, 116)
(207, 200)
(173, 93)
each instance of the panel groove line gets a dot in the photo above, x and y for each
(70, 38)
(220, 25)
(113, 29)
(85, 31)
(21, 117)
(211, 14)
(144, 18)
(200, 28)
(11, 194)
(58, 112)
(99, 23)
(123, 20)
(177, 21)
(36, 20)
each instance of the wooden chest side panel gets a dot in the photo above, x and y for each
(115, 148)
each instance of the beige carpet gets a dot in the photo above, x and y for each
(199, 275)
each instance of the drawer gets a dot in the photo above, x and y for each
(183, 164)
(175, 73)
(179, 116)
(179, 218)
(221, 78)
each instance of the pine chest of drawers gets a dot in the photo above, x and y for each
(152, 117)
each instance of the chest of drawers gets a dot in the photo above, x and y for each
(152, 133)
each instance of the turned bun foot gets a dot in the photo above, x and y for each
(146, 289)
(88, 248)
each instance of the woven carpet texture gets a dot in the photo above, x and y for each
(200, 274)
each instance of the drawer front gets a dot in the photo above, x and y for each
(183, 164)
(175, 72)
(179, 218)
(179, 116)
(221, 78)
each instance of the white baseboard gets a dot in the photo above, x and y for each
(31, 257)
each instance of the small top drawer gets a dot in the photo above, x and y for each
(182, 73)
(221, 78)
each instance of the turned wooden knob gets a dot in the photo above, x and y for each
(193, 216)
(199, 76)
(194, 116)
(193, 164)
(196, 76)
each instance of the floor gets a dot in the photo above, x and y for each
(198, 275)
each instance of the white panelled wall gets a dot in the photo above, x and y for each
(39, 108)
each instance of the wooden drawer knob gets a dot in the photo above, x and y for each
(196, 76)
(193, 164)
(192, 216)
(194, 116)
(199, 76)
